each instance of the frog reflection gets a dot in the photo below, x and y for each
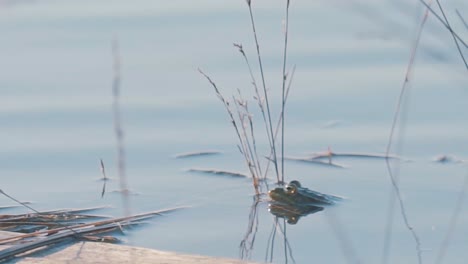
(292, 214)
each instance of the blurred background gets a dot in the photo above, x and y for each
(351, 57)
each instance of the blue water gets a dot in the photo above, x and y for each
(56, 120)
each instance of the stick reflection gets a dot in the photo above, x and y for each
(284, 214)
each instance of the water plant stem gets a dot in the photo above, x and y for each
(453, 221)
(265, 92)
(393, 178)
(285, 52)
(428, 6)
(453, 36)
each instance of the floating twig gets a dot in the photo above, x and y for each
(197, 154)
(104, 178)
(316, 162)
(327, 155)
(446, 159)
(219, 172)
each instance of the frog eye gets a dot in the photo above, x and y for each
(295, 183)
(291, 189)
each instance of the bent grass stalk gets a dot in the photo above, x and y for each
(243, 122)
(247, 125)
(243, 148)
(393, 178)
(259, 100)
(247, 147)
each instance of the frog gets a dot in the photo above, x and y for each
(294, 194)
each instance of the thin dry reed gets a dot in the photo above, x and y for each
(394, 176)
(265, 93)
(261, 104)
(119, 133)
(241, 128)
(243, 120)
(283, 87)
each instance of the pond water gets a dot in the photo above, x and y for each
(351, 57)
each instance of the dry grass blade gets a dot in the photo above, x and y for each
(40, 215)
(133, 218)
(57, 217)
(88, 209)
(61, 237)
(54, 212)
(78, 210)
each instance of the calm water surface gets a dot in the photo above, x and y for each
(56, 120)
